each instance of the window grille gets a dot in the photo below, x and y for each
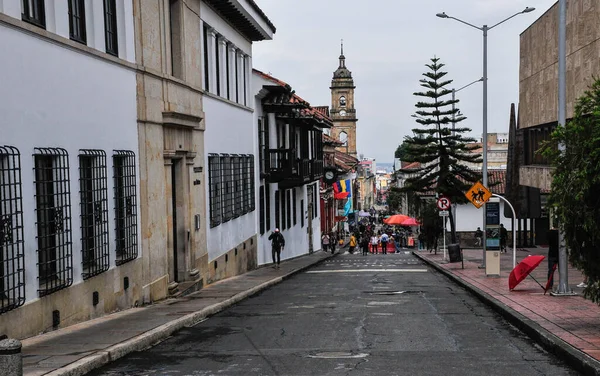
(277, 209)
(227, 187)
(301, 213)
(282, 199)
(53, 213)
(289, 208)
(77, 21)
(267, 207)
(125, 206)
(34, 12)
(294, 203)
(93, 193)
(261, 209)
(315, 197)
(12, 259)
(110, 27)
(238, 179)
(214, 182)
(251, 184)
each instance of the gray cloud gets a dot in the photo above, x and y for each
(387, 44)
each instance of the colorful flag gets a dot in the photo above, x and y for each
(343, 186)
(347, 207)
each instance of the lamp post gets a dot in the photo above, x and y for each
(485, 29)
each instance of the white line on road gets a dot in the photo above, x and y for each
(369, 271)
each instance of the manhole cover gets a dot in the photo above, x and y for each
(337, 355)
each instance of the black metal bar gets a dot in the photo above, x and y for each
(227, 191)
(125, 187)
(214, 181)
(237, 180)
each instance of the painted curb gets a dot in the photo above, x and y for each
(550, 342)
(158, 334)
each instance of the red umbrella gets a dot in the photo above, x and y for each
(396, 219)
(522, 270)
(410, 222)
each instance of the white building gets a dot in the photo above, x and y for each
(230, 137)
(69, 178)
(290, 163)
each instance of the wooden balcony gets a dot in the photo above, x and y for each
(301, 174)
(279, 164)
(317, 170)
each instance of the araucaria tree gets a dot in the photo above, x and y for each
(575, 194)
(442, 149)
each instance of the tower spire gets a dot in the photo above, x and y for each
(342, 57)
(342, 49)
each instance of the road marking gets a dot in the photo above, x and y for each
(369, 271)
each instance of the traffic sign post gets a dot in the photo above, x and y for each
(444, 204)
(478, 194)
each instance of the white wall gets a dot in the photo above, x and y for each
(468, 218)
(52, 96)
(229, 130)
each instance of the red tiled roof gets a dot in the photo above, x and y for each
(332, 141)
(290, 96)
(344, 161)
(412, 165)
(496, 182)
(323, 110)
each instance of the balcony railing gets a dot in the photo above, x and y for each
(279, 164)
(317, 170)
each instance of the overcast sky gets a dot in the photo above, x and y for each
(387, 44)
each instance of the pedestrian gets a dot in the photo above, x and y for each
(277, 245)
(384, 242)
(374, 243)
(396, 237)
(552, 254)
(478, 237)
(352, 243)
(364, 244)
(325, 242)
(503, 236)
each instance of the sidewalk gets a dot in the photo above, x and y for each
(78, 349)
(568, 326)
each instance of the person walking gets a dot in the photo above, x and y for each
(478, 237)
(503, 236)
(277, 245)
(384, 242)
(374, 243)
(325, 242)
(364, 244)
(352, 244)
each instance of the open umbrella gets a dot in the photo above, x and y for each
(363, 214)
(522, 270)
(396, 219)
(410, 222)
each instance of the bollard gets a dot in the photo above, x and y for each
(11, 361)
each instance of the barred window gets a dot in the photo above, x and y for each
(288, 197)
(227, 187)
(238, 179)
(283, 195)
(77, 21)
(53, 214)
(12, 259)
(93, 192)
(277, 209)
(125, 206)
(110, 27)
(267, 207)
(34, 12)
(261, 209)
(251, 183)
(294, 203)
(315, 197)
(214, 182)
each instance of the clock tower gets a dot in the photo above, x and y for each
(342, 111)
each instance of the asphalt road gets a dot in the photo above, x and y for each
(351, 315)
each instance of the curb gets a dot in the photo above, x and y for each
(158, 334)
(550, 342)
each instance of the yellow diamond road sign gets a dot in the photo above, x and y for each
(478, 194)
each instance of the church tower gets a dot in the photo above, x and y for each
(342, 111)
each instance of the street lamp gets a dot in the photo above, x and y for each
(454, 91)
(485, 29)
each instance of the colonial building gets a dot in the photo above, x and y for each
(342, 110)
(290, 150)
(228, 30)
(69, 179)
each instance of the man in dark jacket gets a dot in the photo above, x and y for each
(277, 245)
(552, 254)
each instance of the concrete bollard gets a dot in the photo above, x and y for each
(11, 362)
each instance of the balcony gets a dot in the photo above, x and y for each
(317, 170)
(278, 164)
(301, 173)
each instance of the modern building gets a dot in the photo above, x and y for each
(290, 164)
(69, 178)
(229, 28)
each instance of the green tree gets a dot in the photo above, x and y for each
(442, 149)
(575, 197)
(394, 199)
(431, 226)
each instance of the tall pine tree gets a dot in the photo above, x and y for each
(443, 152)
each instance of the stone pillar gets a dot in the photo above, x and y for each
(223, 67)
(231, 73)
(211, 39)
(11, 362)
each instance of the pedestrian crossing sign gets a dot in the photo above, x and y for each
(478, 194)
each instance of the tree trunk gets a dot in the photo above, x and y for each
(452, 225)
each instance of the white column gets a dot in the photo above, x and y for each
(223, 67)
(231, 73)
(58, 19)
(126, 30)
(11, 8)
(211, 40)
(249, 101)
(240, 77)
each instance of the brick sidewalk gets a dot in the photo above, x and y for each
(573, 319)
